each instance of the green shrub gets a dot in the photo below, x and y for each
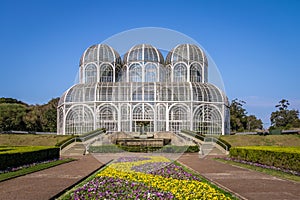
(105, 149)
(18, 156)
(164, 149)
(283, 157)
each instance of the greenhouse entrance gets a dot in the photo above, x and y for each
(143, 115)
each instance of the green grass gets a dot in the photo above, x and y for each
(28, 170)
(271, 172)
(257, 140)
(32, 140)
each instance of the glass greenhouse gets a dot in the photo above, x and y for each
(169, 94)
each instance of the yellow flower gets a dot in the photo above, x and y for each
(182, 189)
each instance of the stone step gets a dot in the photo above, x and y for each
(210, 149)
(74, 149)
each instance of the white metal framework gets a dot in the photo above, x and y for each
(170, 95)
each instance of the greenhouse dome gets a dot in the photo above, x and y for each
(169, 96)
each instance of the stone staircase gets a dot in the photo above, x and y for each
(209, 148)
(74, 149)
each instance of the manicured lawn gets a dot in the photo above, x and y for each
(32, 140)
(257, 140)
(145, 178)
(31, 169)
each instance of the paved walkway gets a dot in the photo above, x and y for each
(47, 183)
(246, 184)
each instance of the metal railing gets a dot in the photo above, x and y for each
(82, 138)
(206, 139)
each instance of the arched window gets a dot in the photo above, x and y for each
(90, 73)
(107, 118)
(150, 73)
(106, 73)
(79, 120)
(143, 113)
(178, 118)
(207, 120)
(180, 73)
(195, 73)
(135, 73)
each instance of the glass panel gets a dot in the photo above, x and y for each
(135, 73)
(106, 73)
(150, 73)
(195, 73)
(90, 73)
(180, 73)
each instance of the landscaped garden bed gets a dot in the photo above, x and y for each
(287, 158)
(149, 177)
(18, 156)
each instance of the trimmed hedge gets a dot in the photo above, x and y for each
(165, 149)
(282, 157)
(18, 156)
(105, 149)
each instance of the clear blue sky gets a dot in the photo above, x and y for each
(255, 43)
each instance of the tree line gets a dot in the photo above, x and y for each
(283, 118)
(19, 116)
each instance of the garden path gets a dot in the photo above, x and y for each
(47, 183)
(246, 184)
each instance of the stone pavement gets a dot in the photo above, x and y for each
(47, 183)
(244, 183)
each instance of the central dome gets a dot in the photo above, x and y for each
(143, 53)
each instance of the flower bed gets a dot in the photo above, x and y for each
(146, 178)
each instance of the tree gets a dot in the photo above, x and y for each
(49, 115)
(284, 118)
(32, 119)
(17, 115)
(11, 116)
(11, 100)
(240, 121)
(253, 123)
(237, 115)
(283, 104)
